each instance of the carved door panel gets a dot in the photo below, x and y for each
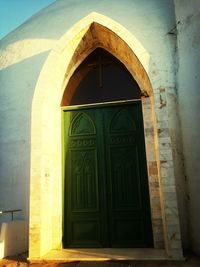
(106, 189)
(85, 207)
(127, 183)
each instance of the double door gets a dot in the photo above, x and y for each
(106, 199)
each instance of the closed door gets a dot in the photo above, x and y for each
(106, 199)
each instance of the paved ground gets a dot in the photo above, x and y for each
(21, 261)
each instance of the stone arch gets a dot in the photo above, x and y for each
(93, 31)
(98, 35)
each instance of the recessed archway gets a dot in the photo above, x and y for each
(100, 178)
(91, 32)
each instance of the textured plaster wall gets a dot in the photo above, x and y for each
(23, 53)
(188, 85)
(17, 82)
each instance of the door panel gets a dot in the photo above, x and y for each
(106, 189)
(124, 176)
(84, 183)
(84, 205)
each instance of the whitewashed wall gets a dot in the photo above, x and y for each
(23, 53)
(188, 84)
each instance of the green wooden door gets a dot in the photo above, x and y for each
(106, 186)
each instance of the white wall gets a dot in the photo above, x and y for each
(24, 52)
(13, 238)
(188, 78)
(17, 83)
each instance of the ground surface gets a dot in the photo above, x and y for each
(21, 261)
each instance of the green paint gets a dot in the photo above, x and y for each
(106, 199)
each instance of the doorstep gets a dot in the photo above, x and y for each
(105, 254)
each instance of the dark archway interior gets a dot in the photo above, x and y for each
(100, 78)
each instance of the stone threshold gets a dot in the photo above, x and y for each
(107, 254)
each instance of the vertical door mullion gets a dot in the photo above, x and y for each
(103, 174)
(108, 182)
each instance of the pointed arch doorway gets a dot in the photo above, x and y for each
(96, 30)
(106, 198)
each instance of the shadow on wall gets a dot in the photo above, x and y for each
(53, 21)
(18, 83)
